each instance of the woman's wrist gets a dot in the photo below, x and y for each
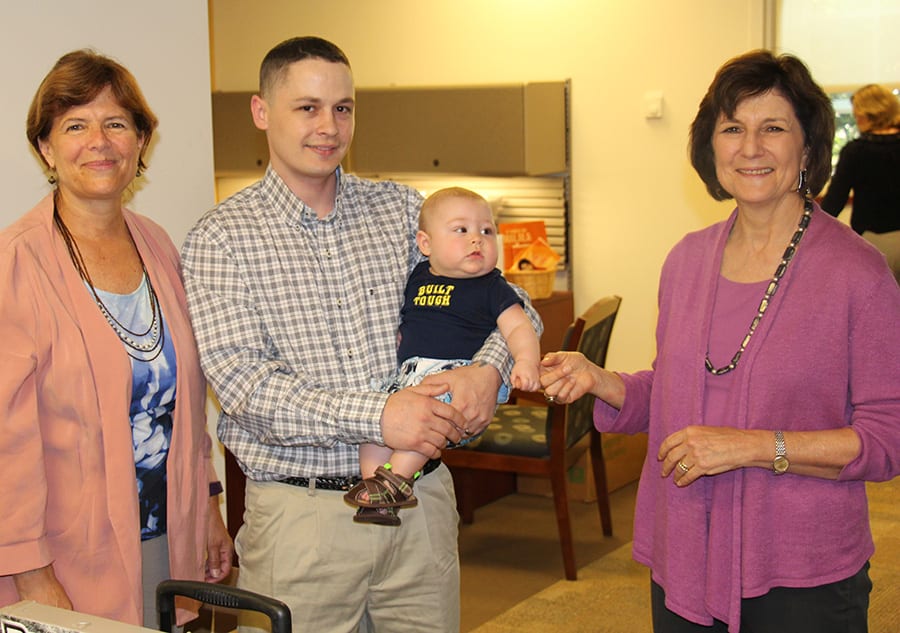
(610, 388)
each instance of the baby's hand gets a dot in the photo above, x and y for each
(526, 376)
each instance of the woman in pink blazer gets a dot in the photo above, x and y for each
(107, 486)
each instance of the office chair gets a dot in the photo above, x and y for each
(546, 440)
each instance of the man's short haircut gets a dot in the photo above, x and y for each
(296, 49)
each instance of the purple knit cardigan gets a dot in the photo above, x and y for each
(826, 355)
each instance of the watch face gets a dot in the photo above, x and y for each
(780, 465)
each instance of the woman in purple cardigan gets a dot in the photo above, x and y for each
(774, 396)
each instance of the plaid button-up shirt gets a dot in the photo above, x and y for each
(294, 316)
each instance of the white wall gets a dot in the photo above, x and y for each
(165, 44)
(844, 42)
(633, 191)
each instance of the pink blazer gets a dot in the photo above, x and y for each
(68, 491)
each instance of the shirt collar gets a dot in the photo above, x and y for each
(291, 207)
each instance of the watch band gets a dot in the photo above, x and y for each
(780, 464)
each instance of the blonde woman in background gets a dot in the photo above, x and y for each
(870, 167)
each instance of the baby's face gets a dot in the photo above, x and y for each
(461, 239)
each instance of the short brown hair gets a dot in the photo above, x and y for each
(76, 79)
(432, 201)
(756, 73)
(294, 50)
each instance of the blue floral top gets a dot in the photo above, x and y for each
(152, 404)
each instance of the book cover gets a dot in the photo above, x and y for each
(517, 237)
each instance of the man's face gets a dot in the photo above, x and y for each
(308, 119)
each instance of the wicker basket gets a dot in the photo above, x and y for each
(537, 283)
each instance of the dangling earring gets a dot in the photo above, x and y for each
(51, 177)
(802, 186)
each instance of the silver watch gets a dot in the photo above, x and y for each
(780, 464)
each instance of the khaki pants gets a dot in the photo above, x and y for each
(338, 576)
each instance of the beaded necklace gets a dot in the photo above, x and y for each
(142, 346)
(771, 289)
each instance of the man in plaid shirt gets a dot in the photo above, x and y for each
(294, 287)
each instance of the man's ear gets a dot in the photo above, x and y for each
(259, 109)
(424, 243)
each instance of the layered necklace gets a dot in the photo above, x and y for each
(142, 346)
(771, 289)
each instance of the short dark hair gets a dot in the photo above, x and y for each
(294, 50)
(76, 79)
(756, 73)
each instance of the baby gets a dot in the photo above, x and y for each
(453, 301)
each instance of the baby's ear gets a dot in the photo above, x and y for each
(423, 242)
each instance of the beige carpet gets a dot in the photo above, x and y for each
(611, 594)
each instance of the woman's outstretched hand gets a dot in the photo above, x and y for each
(566, 376)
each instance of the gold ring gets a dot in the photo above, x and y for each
(550, 399)
(684, 468)
(467, 431)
